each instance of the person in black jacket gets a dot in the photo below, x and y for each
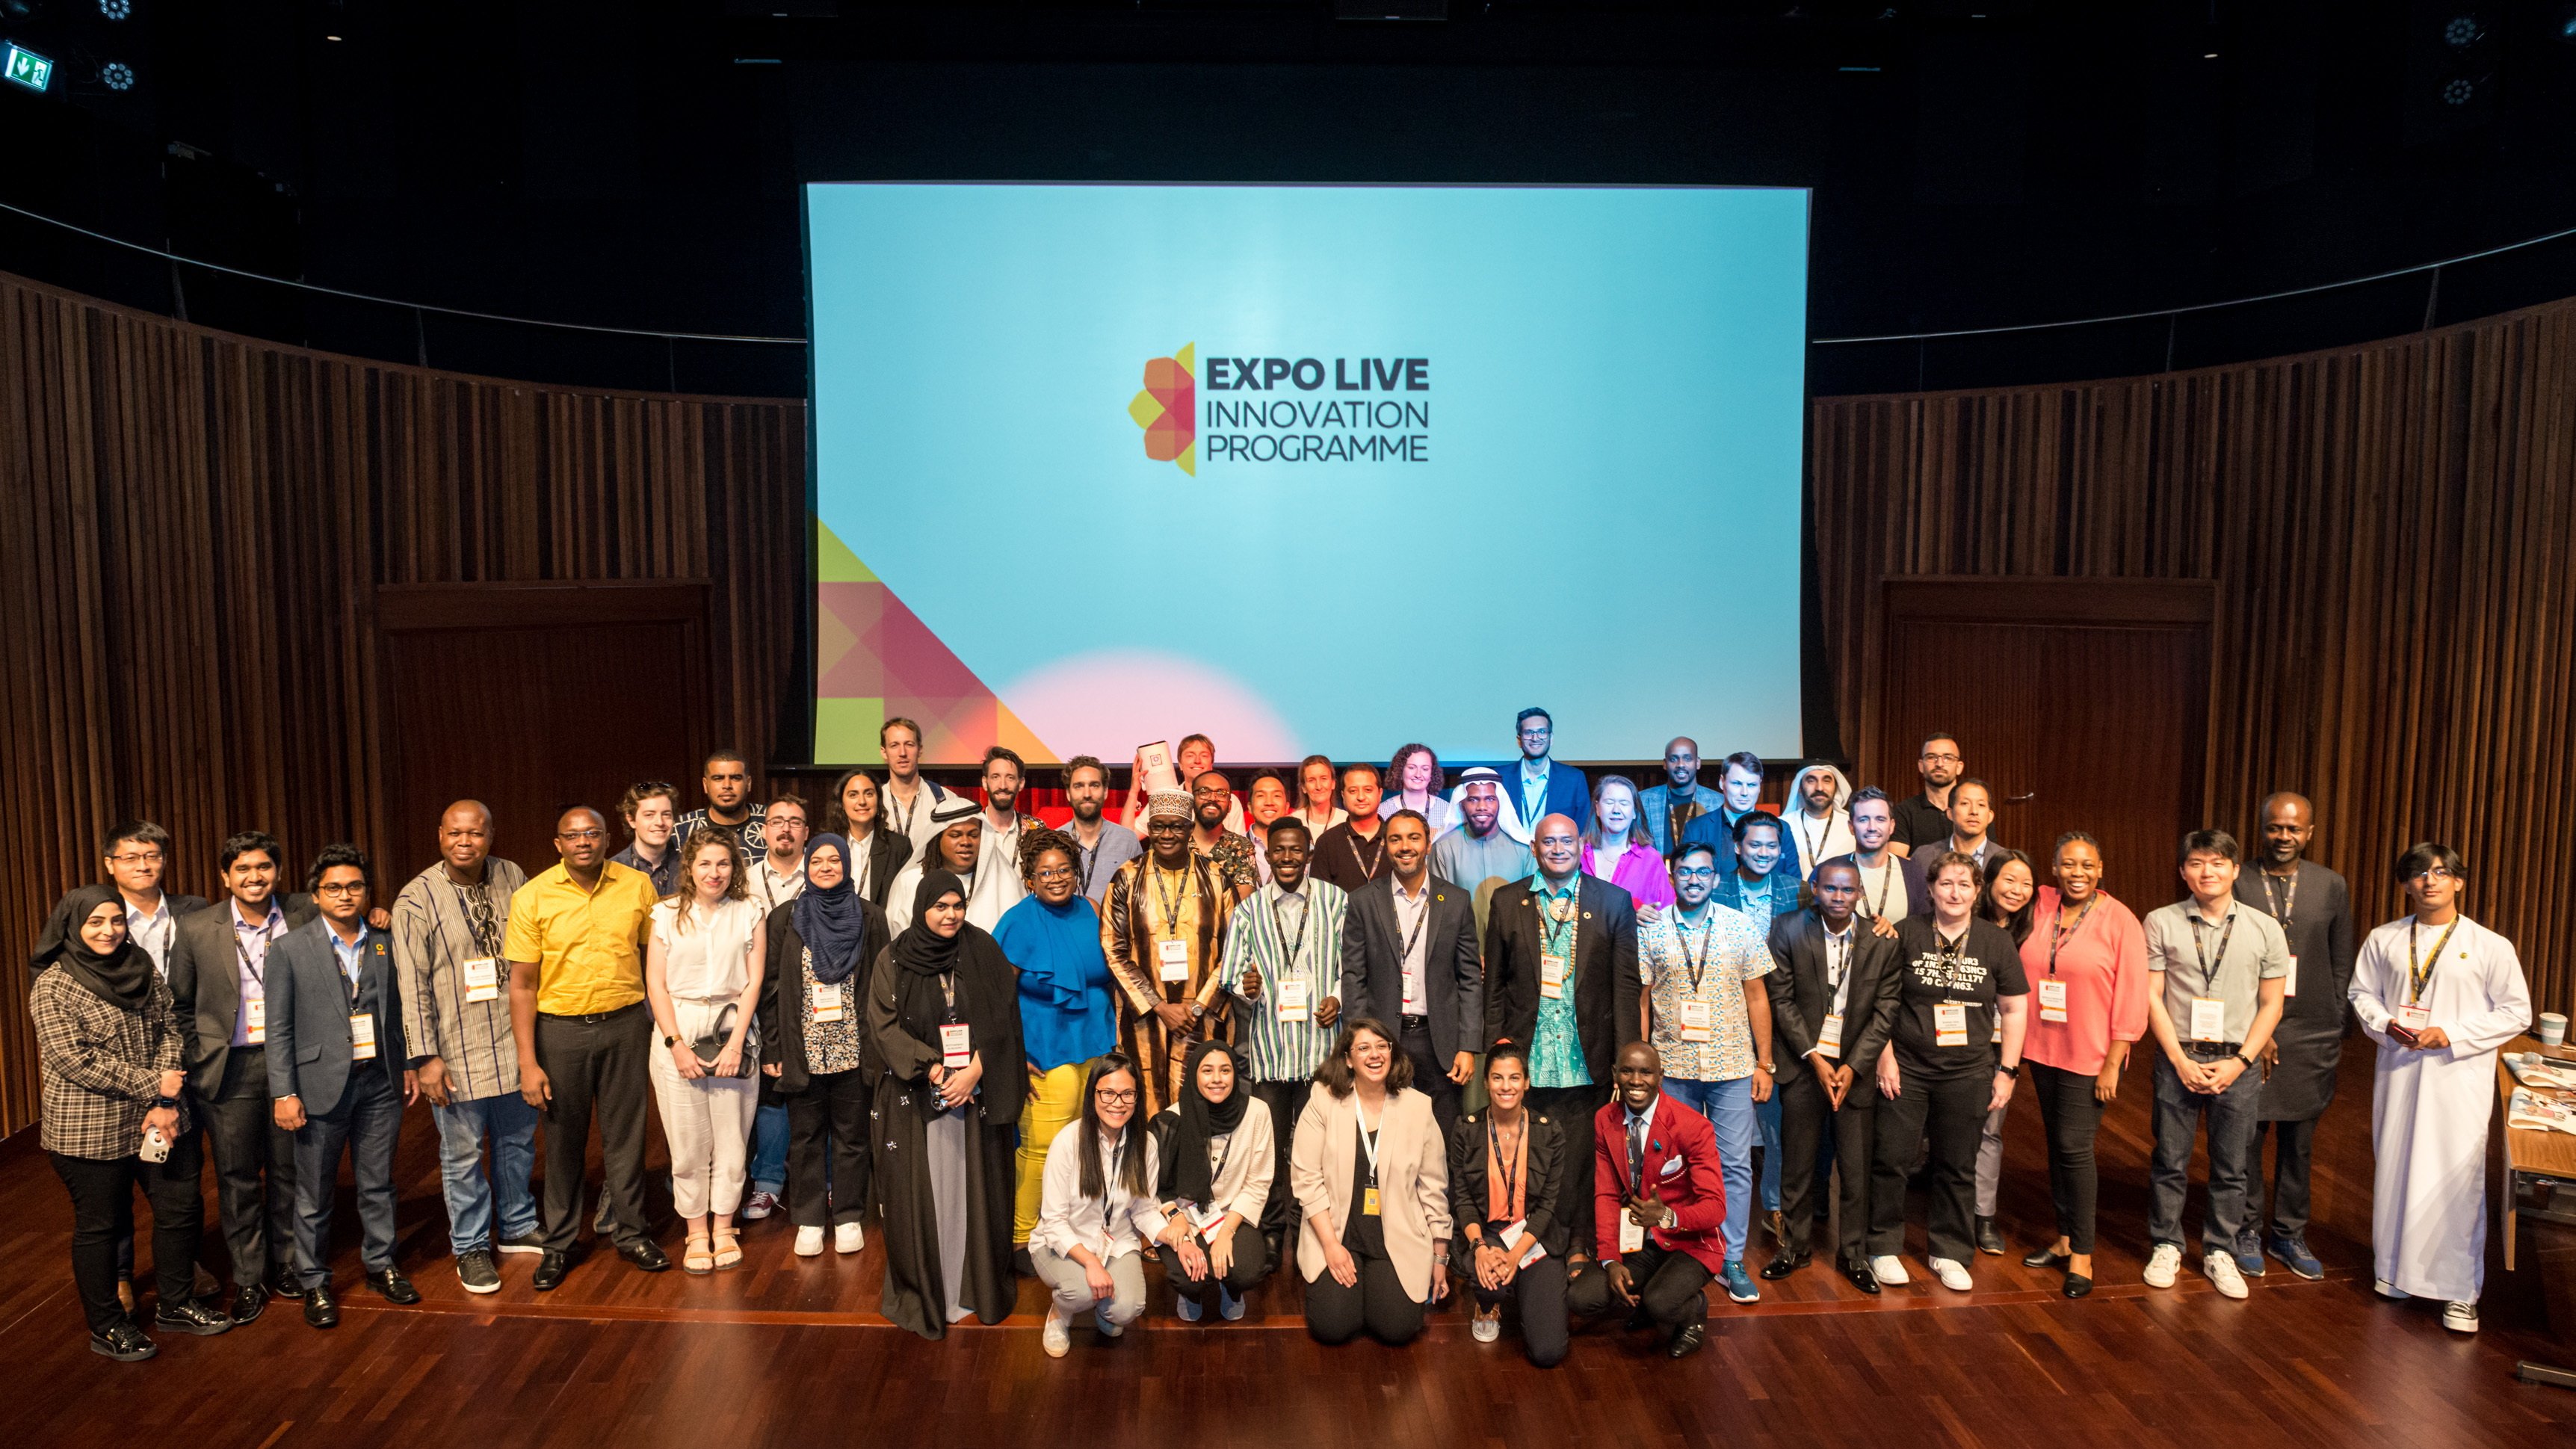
(855, 811)
(1506, 1195)
(1409, 959)
(814, 1044)
(1824, 1018)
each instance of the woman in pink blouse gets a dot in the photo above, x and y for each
(1615, 850)
(2086, 958)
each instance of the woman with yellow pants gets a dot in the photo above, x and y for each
(1053, 937)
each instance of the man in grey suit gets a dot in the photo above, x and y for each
(1409, 959)
(339, 1076)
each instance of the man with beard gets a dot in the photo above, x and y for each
(996, 890)
(1478, 853)
(1351, 854)
(2314, 907)
(958, 848)
(1923, 822)
(1409, 946)
(1105, 844)
(1819, 824)
(1669, 808)
(1227, 852)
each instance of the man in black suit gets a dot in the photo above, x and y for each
(1826, 1035)
(1409, 959)
(340, 1076)
(1561, 981)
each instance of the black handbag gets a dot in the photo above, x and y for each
(709, 1049)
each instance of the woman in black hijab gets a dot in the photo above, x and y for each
(108, 1050)
(1214, 1157)
(813, 1045)
(944, 1027)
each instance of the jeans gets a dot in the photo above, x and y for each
(1730, 1108)
(1990, 1161)
(769, 1150)
(512, 1125)
(2232, 1125)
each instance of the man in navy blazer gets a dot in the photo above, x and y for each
(338, 1075)
(1558, 789)
(1441, 1019)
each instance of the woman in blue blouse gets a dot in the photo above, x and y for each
(1053, 937)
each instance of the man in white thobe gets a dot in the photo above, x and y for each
(2439, 994)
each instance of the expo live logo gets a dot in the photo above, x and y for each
(1284, 429)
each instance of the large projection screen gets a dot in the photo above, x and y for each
(1306, 468)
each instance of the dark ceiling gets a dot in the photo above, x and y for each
(636, 165)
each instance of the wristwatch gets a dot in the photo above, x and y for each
(2250, 1063)
(2013, 1072)
(1765, 1067)
(670, 1041)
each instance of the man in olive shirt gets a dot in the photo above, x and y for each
(576, 949)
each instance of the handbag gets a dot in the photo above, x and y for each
(709, 1049)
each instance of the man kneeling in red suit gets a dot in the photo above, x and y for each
(1659, 1203)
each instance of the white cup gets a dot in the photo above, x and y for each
(2553, 1028)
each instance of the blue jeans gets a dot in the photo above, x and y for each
(512, 1125)
(1729, 1108)
(2232, 1129)
(769, 1150)
(1766, 1115)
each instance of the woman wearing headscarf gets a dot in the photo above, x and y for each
(108, 1051)
(1214, 1157)
(815, 1048)
(944, 1024)
(1052, 937)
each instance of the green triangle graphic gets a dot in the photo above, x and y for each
(834, 563)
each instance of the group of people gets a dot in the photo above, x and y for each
(1533, 1039)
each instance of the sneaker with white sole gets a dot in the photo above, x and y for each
(2389, 1291)
(1488, 1326)
(809, 1242)
(1056, 1338)
(2163, 1266)
(848, 1238)
(1100, 1320)
(2460, 1317)
(2221, 1268)
(1953, 1274)
(760, 1205)
(1889, 1270)
(1228, 1306)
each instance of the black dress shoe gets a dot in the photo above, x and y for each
(2077, 1285)
(393, 1287)
(1990, 1240)
(321, 1306)
(1857, 1270)
(250, 1300)
(1782, 1265)
(191, 1317)
(551, 1268)
(2046, 1258)
(123, 1342)
(645, 1254)
(1686, 1341)
(1020, 1264)
(1275, 1242)
(282, 1284)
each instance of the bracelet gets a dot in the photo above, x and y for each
(170, 1102)
(2250, 1063)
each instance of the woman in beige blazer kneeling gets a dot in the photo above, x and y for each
(1372, 1178)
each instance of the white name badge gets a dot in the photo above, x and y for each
(1511, 1239)
(1695, 1021)
(2208, 1019)
(1829, 1037)
(255, 1019)
(2290, 983)
(1950, 1023)
(1551, 977)
(1294, 999)
(954, 1051)
(1205, 1221)
(2052, 1001)
(362, 1036)
(2414, 1018)
(1632, 1235)
(830, 1003)
(1175, 959)
(482, 979)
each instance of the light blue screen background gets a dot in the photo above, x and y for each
(1608, 525)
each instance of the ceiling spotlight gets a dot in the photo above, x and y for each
(116, 9)
(2458, 92)
(2462, 31)
(116, 75)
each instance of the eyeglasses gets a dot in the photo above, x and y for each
(2432, 873)
(1534, 732)
(582, 835)
(1113, 1097)
(341, 888)
(1932, 759)
(1696, 872)
(1054, 872)
(137, 857)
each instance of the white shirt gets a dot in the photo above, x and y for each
(771, 887)
(1883, 885)
(711, 960)
(151, 930)
(1410, 928)
(1067, 1219)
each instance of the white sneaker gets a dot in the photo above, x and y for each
(2221, 1268)
(2163, 1265)
(1100, 1320)
(1953, 1275)
(809, 1242)
(1889, 1270)
(2460, 1317)
(1488, 1326)
(846, 1238)
(1055, 1338)
(2388, 1290)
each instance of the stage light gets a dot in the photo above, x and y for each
(2458, 91)
(2562, 25)
(2462, 31)
(26, 68)
(116, 75)
(116, 9)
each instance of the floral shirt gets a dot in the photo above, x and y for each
(1728, 949)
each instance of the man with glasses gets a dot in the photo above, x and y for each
(1228, 852)
(1923, 821)
(1541, 787)
(727, 784)
(1669, 808)
(138, 853)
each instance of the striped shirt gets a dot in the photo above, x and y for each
(436, 931)
(1265, 928)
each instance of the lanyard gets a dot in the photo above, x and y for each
(1948, 954)
(2419, 974)
(477, 911)
(1531, 804)
(2200, 948)
(1837, 961)
(1679, 813)
(1421, 918)
(1808, 848)
(948, 993)
(1305, 915)
(258, 969)
(1224, 1155)
(902, 817)
(1886, 882)
(1170, 897)
(2059, 933)
(1707, 937)
(1089, 857)
(1507, 1163)
(1368, 1139)
(1368, 867)
(2281, 908)
(1556, 923)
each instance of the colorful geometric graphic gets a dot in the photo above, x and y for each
(874, 659)
(1168, 409)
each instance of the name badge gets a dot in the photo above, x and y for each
(1695, 1021)
(2414, 1018)
(1293, 999)
(1950, 1023)
(954, 1052)
(1829, 1037)
(2290, 983)
(1551, 977)
(1368, 1202)
(362, 1036)
(1205, 1221)
(1511, 1239)
(482, 979)
(1632, 1234)
(2208, 1019)
(255, 1019)
(829, 1002)
(2052, 1001)
(1175, 959)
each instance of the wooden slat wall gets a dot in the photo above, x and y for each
(2392, 529)
(196, 526)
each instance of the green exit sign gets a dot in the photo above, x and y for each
(28, 69)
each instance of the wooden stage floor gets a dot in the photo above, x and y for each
(791, 1351)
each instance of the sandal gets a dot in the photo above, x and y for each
(728, 1249)
(694, 1258)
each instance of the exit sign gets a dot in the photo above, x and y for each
(28, 69)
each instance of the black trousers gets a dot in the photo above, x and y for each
(254, 1170)
(1855, 1156)
(367, 1121)
(1572, 1109)
(829, 1117)
(2072, 1116)
(1539, 1289)
(595, 1069)
(1952, 1110)
(102, 1195)
(1286, 1101)
(1430, 1073)
(1251, 1263)
(2294, 1149)
(1377, 1304)
(1671, 1287)
(1806, 1124)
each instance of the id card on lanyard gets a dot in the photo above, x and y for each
(1368, 1143)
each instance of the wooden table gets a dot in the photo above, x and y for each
(2535, 1163)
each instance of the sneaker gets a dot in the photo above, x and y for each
(1100, 1320)
(1055, 1338)
(1488, 1325)
(2163, 1265)
(2294, 1255)
(1228, 1306)
(2389, 1291)
(2249, 1262)
(476, 1270)
(1889, 1270)
(529, 1243)
(809, 1242)
(1739, 1284)
(761, 1205)
(123, 1342)
(1953, 1274)
(191, 1317)
(1187, 1307)
(2460, 1317)
(848, 1237)
(2221, 1268)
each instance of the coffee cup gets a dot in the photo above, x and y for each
(2553, 1028)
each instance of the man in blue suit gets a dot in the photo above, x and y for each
(1541, 787)
(338, 1075)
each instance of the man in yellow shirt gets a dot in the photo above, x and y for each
(576, 975)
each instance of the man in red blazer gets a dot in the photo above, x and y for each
(1659, 1203)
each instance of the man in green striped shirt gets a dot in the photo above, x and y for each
(1283, 964)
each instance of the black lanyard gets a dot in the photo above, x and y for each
(1834, 974)
(1089, 857)
(2200, 948)
(1305, 915)
(1886, 882)
(2281, 909)
(1369, 863)
(1504, 1162)
(2419, 973)
(478, 923)
(1170, 899)
(258, 969)
(2059, 933)
(1707, 936)
(1420, 920)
